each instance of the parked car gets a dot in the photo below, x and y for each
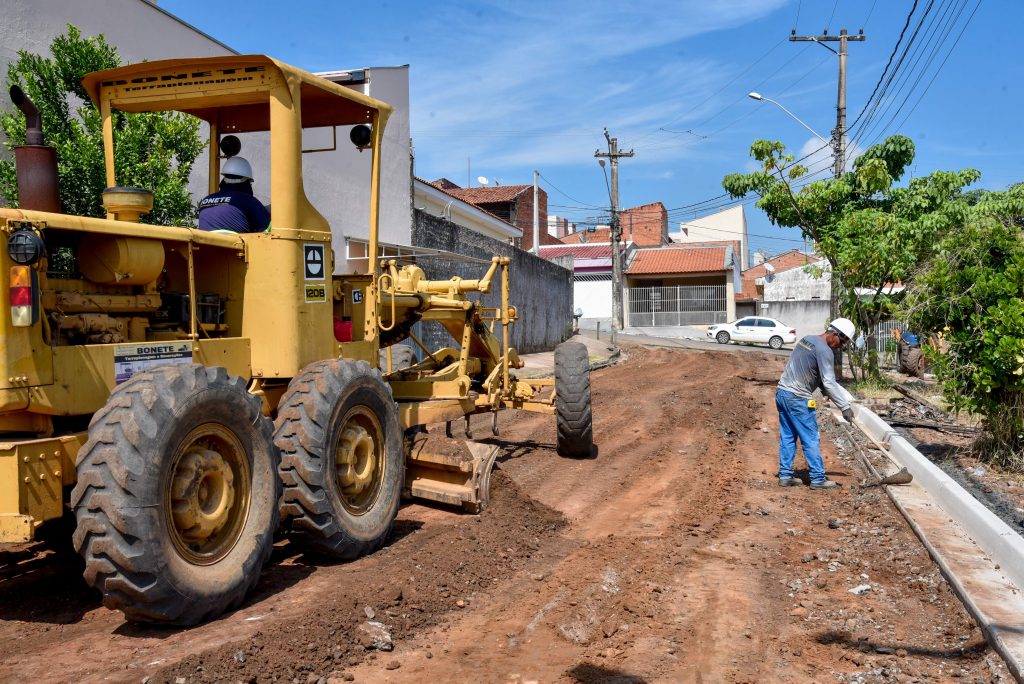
(754, 329)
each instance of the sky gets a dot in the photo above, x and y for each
(500, 89)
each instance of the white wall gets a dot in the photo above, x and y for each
(796, 284)
(595, 298)
(730, 224)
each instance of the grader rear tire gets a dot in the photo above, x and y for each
(573, 418)
(342, 462)
(176, 500)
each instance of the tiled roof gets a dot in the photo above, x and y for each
(679, 260)
(597, 235)
(489, 195)
(586, 251)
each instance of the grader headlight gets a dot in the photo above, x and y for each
(25, 247)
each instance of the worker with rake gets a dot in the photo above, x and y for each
(809, 367)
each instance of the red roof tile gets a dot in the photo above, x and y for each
(489, 195)
(678, 260)
(578, 251)
(597, 235)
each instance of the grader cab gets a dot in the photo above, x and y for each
(185, 392)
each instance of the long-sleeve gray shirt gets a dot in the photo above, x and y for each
(810, 367)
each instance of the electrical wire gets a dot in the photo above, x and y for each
(939, 24)
(881, 77)
(895, 70)
(946, 30)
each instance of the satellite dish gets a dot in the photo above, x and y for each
(768, 267)
(482, 180)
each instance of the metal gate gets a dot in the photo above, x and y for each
(675, 305)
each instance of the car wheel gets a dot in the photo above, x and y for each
(722, 337)
(775, 342)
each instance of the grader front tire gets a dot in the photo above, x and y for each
(342, 462)
(176, 499)
(573, 417)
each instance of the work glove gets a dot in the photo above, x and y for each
(848, 414)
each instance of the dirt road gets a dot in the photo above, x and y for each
(672, 556)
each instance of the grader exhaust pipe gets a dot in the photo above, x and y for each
(35, 161)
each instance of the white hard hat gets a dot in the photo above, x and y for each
(236, 170)
(843, 326)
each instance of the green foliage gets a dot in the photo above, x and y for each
(972, 289)
(154, 151)
(871, 232)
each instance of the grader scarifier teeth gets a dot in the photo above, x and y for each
(450, 471)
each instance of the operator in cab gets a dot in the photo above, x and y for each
(234, 208)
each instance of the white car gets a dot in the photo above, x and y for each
(753, 329)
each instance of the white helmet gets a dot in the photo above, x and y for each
(843, 326)
(236, 170)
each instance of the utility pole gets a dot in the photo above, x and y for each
(613, 155)
(839, 134)
(838, 139)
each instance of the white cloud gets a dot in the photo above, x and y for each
(527, 67)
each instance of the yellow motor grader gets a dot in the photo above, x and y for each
(186, 392)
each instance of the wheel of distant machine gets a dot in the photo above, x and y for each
(402, 356)
(573, 417)
(722, 337)
(342, 462)
(177, 493)
(775, 342)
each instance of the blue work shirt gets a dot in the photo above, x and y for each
(233, 210)
(810, 367)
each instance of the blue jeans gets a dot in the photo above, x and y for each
(798, 420)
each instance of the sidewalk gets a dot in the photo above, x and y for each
(542, 364)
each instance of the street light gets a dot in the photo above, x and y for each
(759, 97)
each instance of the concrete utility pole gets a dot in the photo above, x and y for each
(838, 137)
(839, 134)
(613, 154)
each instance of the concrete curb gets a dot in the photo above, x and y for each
(994, 537)
(612, 359)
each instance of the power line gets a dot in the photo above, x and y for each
(937, 71)
(939, 24)
(555, 187)
(896, 68)
(887, 64)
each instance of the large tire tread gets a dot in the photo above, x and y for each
(573, 415)
(302, 432)
(112, 517)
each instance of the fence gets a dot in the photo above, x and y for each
(675, 305)
(885, 343)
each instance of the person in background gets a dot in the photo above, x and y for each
(234, 208)
(809, 368)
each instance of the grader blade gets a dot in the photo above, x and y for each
(450, 471)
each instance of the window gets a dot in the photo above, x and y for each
(765, 323)
(749, 322)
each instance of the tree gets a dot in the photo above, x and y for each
(872, 233)
(154, 151)
(972, 289)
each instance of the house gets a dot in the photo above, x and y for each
(645, 225)
(592, 277)
(793, 287)
(750, 294)
(728, 224)
(436, 200)
(680, 285)
(510, 203)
